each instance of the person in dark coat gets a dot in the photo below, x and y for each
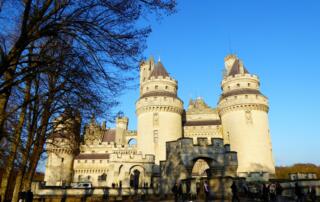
(198, 188)
(279, 190)
(175, 192)
(29, 196)
(313, 194)
(234, 190)
(265, 193)
(298, 192)
(180, 192)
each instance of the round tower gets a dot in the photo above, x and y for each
(62, 146)
(159, 110)
(244, 115)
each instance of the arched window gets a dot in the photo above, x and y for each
(132, 142)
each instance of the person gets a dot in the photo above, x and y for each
(265, 193)
(29, 196)
(272, 191)
(206, 190)
(175, 191)
(21, 196)
(180, 190)
(188, 190)
(198, 187)
(313, 194)
(279, 190)
(298, 192)
(234, 190)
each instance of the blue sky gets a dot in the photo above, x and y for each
(277, 39)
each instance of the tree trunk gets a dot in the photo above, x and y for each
(31, 128)
(15, 144)
(38, 147)
(23, 166)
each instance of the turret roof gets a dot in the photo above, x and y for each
(234, 65)
(159, 70)
(236, 68)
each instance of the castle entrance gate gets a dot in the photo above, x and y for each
(186, 162)
(199, 175)
(137, 176)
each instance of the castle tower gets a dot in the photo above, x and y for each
(244, 115)
(62, 146)
(159, 111)
(121, 129)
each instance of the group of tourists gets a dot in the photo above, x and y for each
(301, 196)
(182, 191)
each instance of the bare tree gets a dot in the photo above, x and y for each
(65, 54)
(103, 32)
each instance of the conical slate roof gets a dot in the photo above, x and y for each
(159, 70)
(236, 68)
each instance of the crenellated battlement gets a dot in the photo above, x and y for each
(240, 76)
(211, 145)
(161, 108)
(141, 158)
(161, 79)
(105, 145)
(242, 98)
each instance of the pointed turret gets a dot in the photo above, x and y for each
(244, 116)
(159, 112)
(234, 66)
(159, 70)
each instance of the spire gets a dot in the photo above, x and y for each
(234, 65)
(159, 70)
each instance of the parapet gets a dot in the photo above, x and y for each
(148, 158)
(214, 145)
(240, 76)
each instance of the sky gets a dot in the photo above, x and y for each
(278, 40)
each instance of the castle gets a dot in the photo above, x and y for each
(171, 143)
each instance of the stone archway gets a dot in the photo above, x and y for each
(213, 161)
(137, 176)
(200, 168)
